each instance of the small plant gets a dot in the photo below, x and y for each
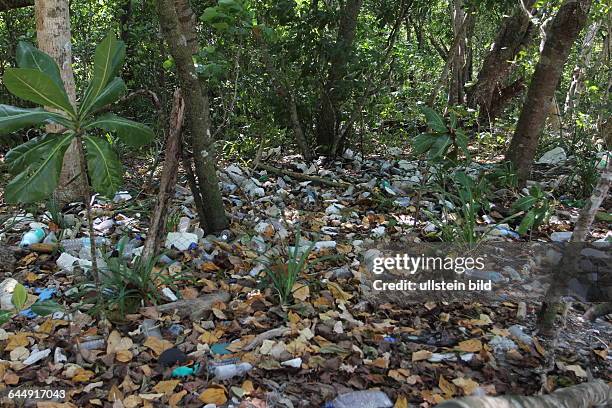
(537, 209)
(504, 176)
(444, 140)
(19, 300)
(283, 275)
(37, 163)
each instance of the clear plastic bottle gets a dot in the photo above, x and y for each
(32, 237)
(361, 399)
(75, 245)
(225, 372)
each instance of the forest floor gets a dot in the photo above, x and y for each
(335, 336)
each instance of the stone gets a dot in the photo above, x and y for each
(554, 156)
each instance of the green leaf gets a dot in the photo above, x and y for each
(423, 142)
(5, 316)
(462, 141)
(20, 296)
(527, 223)
(29, 56)
(439, 146)
(131, 133)
(13, 118)
(113, 91)
(20, 157)
(46, 307)
(39, 179)
(104, 167)
(108, 60)
(434, 120)
(524, 203)
(38, 87)
(209, 14)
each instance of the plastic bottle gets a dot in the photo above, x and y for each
(128, 250)
(231, 370)
(50, 239)
(361, 399)
(74, 245)
(32, 237)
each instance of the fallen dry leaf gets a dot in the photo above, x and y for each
(214, 395)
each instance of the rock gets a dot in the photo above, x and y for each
(334, 209)
(325, 245)
(494, 277)
(343, 272)
(561, 236)
(521, 311)
(554, 156)
(594, 253)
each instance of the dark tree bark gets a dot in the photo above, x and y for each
(563, 31)
(14, 4)
(334, 93)
(515, 33)
(212, 217)
(460, 61)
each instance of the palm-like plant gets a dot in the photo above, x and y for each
(37, 163)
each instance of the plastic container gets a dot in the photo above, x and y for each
(32, 237)
(75, 245)
(225, 372)
(361, 399)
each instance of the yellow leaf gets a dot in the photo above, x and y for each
(82, 375)
(209, 337)
(401, 402)
(247, 386)
(337, 292)
(17, 340)
(209, 267)
(301, 291)
(166, 387)
(132, 401)
(213, 396)
(176, 398)
(470, 346)
(117, 343)
(124, 356)
(447, 388)
(539, 347)
(467, 385)
(421, 355)
(602, 353)
(157, 345)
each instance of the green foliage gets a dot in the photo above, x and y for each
(20, 297)
(536, 208)
(19, 300)
(504, 176)
(445, 139)
(284, 275)
(38, 162)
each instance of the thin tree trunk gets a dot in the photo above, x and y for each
(586, 395)
(213, 217)
(564, 30)
(53, 35)
(515, 33)
(456, 90)
(334, 92)
(168, 178)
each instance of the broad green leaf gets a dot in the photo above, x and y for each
(108, 60)
(462, 141)
(40, 178)
(131, 133)
(22, 156)
(113, 91)
(46, 307)
(29, 56)
(439, 146)
(20, 296)
(104, 167)
(422, 143)
(434, 120)
(527, 223)
(38, 87)
(13, 118)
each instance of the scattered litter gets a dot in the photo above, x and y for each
(32, 237)
(224, 372)
(362, 399)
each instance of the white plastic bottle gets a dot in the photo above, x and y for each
(32, 237)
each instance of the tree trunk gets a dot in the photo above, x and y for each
(334, 91)
(53, 34)
(564, 30)
(213, 217)
(586, 395)
(515, 33)
(459, 66)
(168, 178)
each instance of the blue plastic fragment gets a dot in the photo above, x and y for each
(220, 349)
(28, 313)
(193, 246)
(389, 339)
(45, 294)
(176, 329)
(185, 371)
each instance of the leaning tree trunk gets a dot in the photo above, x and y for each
(213, 217)
(459, 66)
(564, 30)
(552, 301)
(334, 92)
(586, 395)
(53, 35)
(490, 91)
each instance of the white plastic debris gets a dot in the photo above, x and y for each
(362, 399)
(7, 287)
(59, 357)
(561, 236)
(325, 245)
(122, 196)
(225, 372)
(294, 362)
(184, 224)
(180, 240)
(554, 156)
(36, 356)
(167, 292)
(334, 209)
(379, 231)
